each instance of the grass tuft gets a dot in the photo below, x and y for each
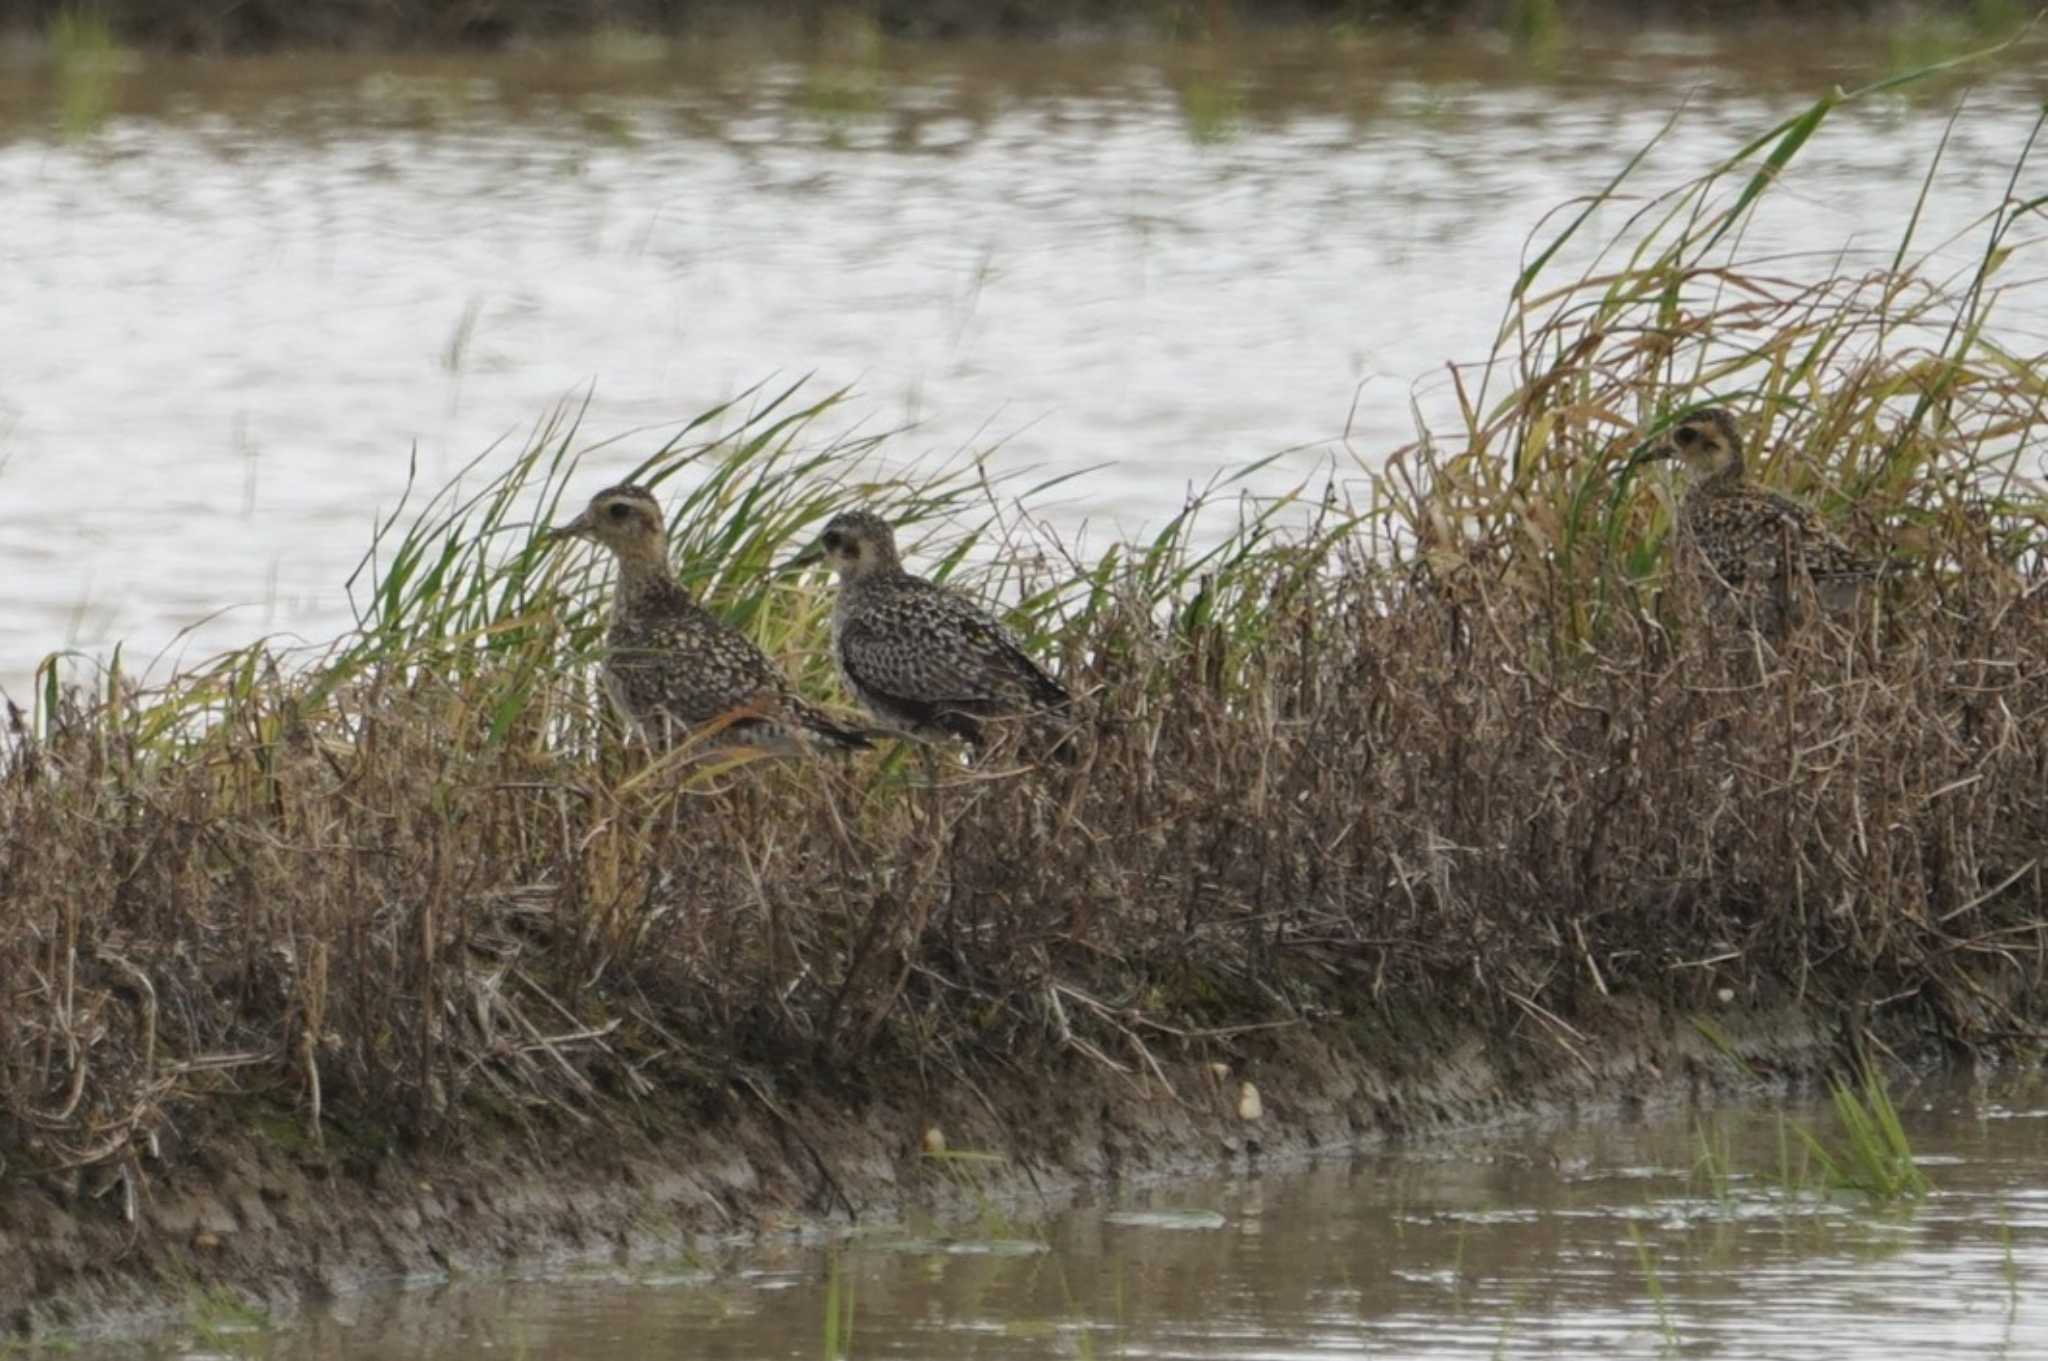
(1873, 1156)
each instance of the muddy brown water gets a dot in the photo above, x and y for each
(239, 297)
(1609, 1238)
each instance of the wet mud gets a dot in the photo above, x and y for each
(249, 1208)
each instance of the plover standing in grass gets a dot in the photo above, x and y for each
(923, 659)
(670, 665)
(1741, 532)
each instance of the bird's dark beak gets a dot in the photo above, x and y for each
(578, 528)
(815, 553)
(1655, 452)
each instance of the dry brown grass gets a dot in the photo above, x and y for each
(1386, 809)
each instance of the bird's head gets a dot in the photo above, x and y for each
(856, 543)
(1705, 442)
(625, 519)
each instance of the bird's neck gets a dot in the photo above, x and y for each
(643, 574)
(1726, 478)
(878, 577)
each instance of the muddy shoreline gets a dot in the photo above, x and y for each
(249, 1209)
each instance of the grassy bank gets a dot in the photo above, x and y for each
(196, 25)
(1461, 747)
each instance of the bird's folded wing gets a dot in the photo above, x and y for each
(928, 654)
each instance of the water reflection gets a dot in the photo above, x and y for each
(246, 300)
(1601, 1239)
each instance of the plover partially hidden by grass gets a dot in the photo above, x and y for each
(1741, 532)
(925, 660)
(671, 665)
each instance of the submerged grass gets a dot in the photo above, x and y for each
(1465, 750)
(1868, 1154)
(836, 1333)
(87, 61)
(1872, 1155)
(1653, 1286)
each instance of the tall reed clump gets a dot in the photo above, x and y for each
(1883, 395)
(1456, 757)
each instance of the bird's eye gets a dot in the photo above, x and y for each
(1685, 434)
(619, 510)
(833, 539)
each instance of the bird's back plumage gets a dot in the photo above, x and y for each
(1751, 541)
(671, 665)
(928, 660)
(925, 660)
(1744, 531)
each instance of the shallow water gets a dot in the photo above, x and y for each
(1609, 1238)
(241, 297)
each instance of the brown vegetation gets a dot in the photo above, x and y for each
(1386, 806)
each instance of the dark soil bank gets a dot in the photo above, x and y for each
(257, 25)
(240, 1198)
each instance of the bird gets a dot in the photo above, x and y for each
(924, 660)
(1742, 532)
(671, 665)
